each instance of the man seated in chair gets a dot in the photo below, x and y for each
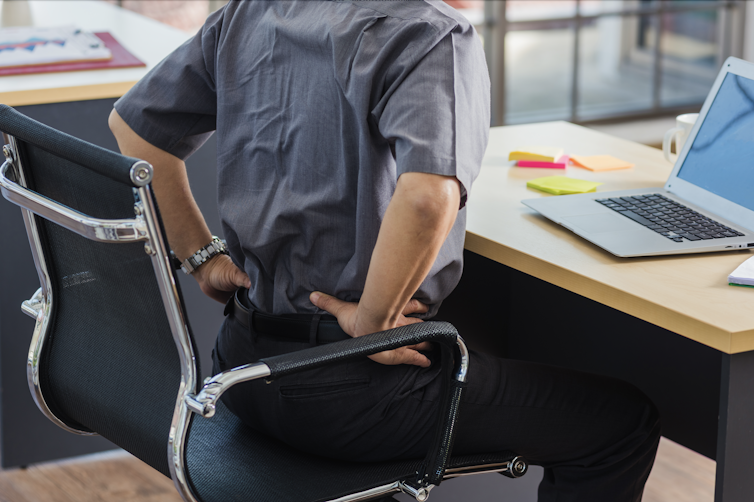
(348, 137)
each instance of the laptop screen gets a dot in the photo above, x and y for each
(721, 159)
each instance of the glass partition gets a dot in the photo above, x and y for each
(592, 60)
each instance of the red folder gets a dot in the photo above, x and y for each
(121, 59)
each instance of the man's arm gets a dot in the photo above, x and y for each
(417, 222)
(184, 224)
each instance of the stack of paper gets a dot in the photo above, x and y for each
(743, 275)
(600, 162)
(562, 185)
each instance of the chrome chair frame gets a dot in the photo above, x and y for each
(144, 227)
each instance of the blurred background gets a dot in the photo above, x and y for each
(624, 66)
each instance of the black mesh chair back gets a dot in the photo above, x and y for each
(108, 362)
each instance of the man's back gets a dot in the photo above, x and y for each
(313, 102)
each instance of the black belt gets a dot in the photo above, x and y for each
(312, 328)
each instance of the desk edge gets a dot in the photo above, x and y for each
(694, 329)
(66, 94)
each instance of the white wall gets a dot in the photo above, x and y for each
(748, 53)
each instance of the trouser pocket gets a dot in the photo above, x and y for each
(321, 389)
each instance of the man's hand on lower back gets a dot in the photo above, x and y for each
(220, 277)
(353, 322)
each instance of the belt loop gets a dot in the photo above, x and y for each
(313, 330)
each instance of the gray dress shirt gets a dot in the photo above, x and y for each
(319, 107)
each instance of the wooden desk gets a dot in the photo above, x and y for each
(708, 373)
(148, 40)
(79, 104)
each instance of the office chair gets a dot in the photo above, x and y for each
(112, 352)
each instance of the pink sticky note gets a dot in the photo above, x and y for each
(560, 164)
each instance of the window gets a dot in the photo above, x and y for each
(588, 60)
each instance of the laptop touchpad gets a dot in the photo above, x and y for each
(601, 222)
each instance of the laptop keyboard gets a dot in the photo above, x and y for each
(669, 218)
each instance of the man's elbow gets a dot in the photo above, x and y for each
(432, 198)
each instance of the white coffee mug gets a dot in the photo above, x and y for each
(684, 124)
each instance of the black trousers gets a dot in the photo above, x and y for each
(596, 437)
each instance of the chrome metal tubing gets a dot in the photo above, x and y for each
(482, 470)
(205, 402)
(33, 305)
(476, 469)
(39, 306)
(371, 494)
(44, 304)
(516, 467)
(169, 292)
(141, 173)
(463, 365)
(116, 230)
(421, 494)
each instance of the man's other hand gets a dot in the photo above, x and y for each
(356, 323)
(220, 277)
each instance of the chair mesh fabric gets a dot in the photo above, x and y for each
(109, 363)
(228, 461)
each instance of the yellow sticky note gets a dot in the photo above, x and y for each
(562, 185)
(539, 153)
(600, 162)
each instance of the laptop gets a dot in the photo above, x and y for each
(707, 203)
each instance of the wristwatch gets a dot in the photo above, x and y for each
(214, 248)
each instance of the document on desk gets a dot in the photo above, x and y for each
(743, 275)
(26, 46)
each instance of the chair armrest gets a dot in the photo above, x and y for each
(204, 403)
(355, 348)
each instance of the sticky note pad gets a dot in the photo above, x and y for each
(540, 153)
(561, 163)
(600, 162)
(562, 185)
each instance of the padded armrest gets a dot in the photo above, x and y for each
(316, 357)
(433, 469)
(205, 400)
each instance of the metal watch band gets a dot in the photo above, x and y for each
(214, 248)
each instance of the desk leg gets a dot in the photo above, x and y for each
(734, 480)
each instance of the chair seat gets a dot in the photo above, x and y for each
(228, 461)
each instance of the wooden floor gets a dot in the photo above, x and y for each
(679, 475)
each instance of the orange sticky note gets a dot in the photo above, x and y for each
(599, 162)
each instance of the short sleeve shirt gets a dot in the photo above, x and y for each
(319, 107)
